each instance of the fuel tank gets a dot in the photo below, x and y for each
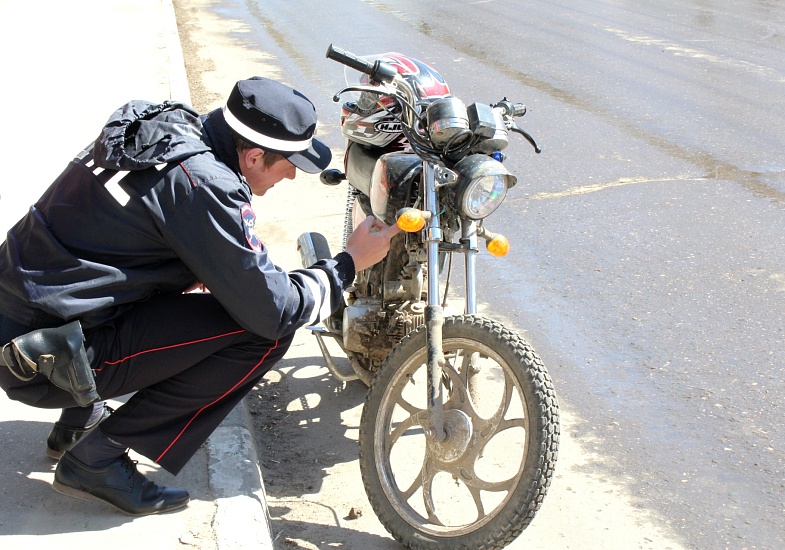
(391, 184)
(360, 161)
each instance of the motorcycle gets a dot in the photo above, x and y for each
(460, 428)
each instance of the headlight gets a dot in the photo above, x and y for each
(482, 185)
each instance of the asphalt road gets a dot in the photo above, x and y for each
(648, 241)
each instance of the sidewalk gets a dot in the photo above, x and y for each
(68, 65)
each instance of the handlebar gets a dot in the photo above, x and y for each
(378, 71)
(510, 109)
(349, 59)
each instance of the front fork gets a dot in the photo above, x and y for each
(434, 312)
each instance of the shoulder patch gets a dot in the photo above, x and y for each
(249, 222)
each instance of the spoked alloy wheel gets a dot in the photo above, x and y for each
(481, 486)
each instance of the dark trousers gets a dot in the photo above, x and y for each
(188, 362)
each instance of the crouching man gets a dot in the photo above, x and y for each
(93, 282)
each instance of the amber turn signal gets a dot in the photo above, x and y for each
(498, 246)
(411, 219)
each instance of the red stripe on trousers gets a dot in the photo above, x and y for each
(163, 348)
(243, 379)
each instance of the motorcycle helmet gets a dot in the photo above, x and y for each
(369, 118)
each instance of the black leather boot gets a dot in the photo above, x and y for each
(120, 485)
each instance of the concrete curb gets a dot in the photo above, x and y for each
(178, 78)
(242, 519)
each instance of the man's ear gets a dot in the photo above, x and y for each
(249, 157)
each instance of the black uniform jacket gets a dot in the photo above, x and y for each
(156, 204)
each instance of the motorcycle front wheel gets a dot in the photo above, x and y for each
(481, 486)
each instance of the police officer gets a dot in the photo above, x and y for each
(93, 281)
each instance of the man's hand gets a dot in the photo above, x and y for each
(369, 242)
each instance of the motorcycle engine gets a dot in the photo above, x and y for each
(386, 303)
(372, 331)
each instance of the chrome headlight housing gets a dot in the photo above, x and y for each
(482, 185)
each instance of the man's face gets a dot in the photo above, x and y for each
(260, 177)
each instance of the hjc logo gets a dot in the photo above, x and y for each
(388, 127)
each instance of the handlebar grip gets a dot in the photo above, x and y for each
(350, 60)
(511, 109)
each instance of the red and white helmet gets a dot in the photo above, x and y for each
(428, 83)
(368, 120)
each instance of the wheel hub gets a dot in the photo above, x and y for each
(458, 428)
